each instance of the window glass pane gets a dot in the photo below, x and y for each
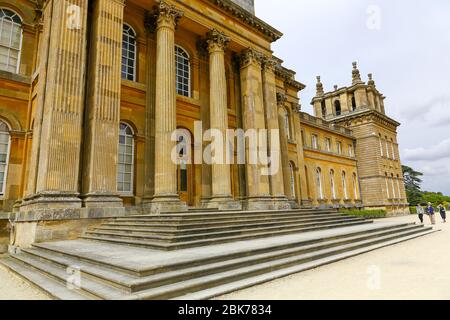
(10, 38)
(182, 67)
(126, 159)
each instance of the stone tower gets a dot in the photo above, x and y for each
(360, 108)
(248, 5)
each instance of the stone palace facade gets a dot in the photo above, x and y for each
(92, 90)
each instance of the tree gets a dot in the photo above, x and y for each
(412, 184)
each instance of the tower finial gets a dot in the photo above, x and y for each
(371, 82)
(319, 87)
(356, 76)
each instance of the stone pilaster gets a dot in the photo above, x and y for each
(166, 197)
(103, 106)
(149, 165)
(258, 195)
(56, 149)
(276, 179)
(221, 176)
(284, 145)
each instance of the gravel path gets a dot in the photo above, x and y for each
(13, 287)
(417, 269)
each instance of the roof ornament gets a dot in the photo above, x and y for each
(319, 88)
(356, 76)
(371, 82)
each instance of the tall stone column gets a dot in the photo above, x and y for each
(166, 197)
(258, 195)
(56, 150)
(221, 175)
(103, 106)
(149, 158)
(284, 146)
(277, 187)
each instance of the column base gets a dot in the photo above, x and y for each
(167, 204)
(281, 203)
(259, 204)
(226, 203)
(51, 200)
(102, 200)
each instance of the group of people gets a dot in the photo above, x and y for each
(431, 212)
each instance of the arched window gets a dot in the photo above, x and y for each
(388, 193)
(128, 53)
(292, 184)
(393, 187)
(332, 185)
(344, 185)
(10, 40)
(319, 184)
(324, 109)
(387, 148)
(393, 150)
(5, 143)
(287, 125)
(125, 168)
(337, 107)
(381, 146)
(183, 70)
(353, 103)
(355, 186)
(399, 190)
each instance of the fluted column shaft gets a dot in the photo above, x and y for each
(284, 146)
(254, 119)
(272, 123)
(221, 176)
(56, 149)
(103, 107)
(165, 102)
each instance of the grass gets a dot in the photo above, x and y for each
(369, 214)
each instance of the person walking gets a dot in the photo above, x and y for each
(420, 211)
(443, 213)
(431, 213)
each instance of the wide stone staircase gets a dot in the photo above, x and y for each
(199, 255)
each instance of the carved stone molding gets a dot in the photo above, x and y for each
(163, 14)
(217, 40)
(281, 99)
(269, 64)
(250, 56)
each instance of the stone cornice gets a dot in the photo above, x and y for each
(249, 19)
(288, 77)
(368, 115)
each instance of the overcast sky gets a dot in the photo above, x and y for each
(405, 44)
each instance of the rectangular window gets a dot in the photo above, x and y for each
(351, 151)
(339, 148)
(328, 144)
(314, 141)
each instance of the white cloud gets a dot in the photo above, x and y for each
(436, 152)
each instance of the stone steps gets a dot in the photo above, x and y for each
(189, 225)
(164, 243)
(204, 277)
(215, 231)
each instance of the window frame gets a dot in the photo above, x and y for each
(133, 163)
(135, 54)
(8, 154)
(189, 72)
(19, 55)
(320, 193)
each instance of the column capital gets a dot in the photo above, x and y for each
(281, 99)
(166, 15)
(269, 64)
(250, 56)
(217, 41)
